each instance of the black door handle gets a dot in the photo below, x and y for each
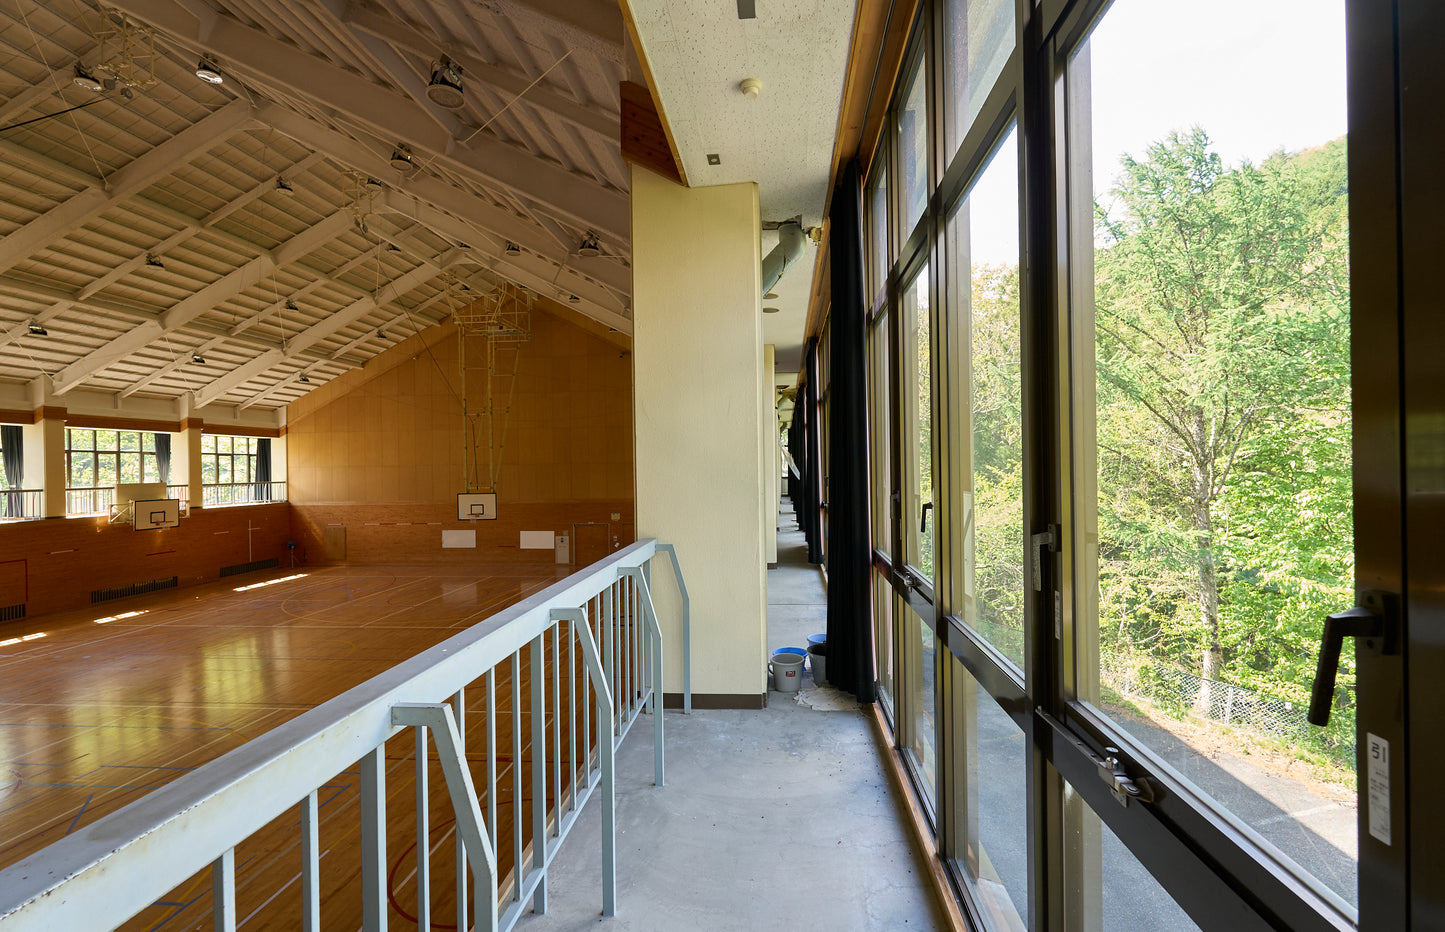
(1368, 620)
(923, 518)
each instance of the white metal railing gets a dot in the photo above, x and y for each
(22, 504)
(88, 501)
(107, 872)
(242, 493)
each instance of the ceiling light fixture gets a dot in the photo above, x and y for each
(283, 187)
(751, 87)
(35, 328)
(401, 158)
(84, 78)
(445, 87)
(381, 334)
(302, 378)
(291, 305)
(714, 159)
(154, 261)
(197, 358)
(590, 248)
(512, 249)
(206, 70)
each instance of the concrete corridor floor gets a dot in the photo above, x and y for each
(771, 819)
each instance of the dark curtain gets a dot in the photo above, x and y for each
(262, 478)
(12, 448)
(850, 616)
(163, 457)
(810, 516)
(796, 450)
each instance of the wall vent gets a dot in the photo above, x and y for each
(120, 592)
(12, 612)
(251, 567)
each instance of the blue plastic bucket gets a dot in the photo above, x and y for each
(817, 639)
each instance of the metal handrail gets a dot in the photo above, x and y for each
(242, 493)
(22, 504)
(108, 871)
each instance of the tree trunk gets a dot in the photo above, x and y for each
(1207, 595)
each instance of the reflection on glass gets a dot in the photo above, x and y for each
(883, 634)
(878, 227)
(923, 742)
(1108, 888)
(918, 517)
(984, 315)
(980, 39)
(1211, 318)
(913, 149)
(990, 802)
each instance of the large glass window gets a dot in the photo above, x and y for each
(1116, 463)
(97, 460)
(1211, 329)
(984, 323)
(980, 37)
(237, 470)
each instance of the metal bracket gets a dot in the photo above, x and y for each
(1124, 787)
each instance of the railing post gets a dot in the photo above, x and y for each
(671, 552)
(539, 778)
(654, 633)
(373, 840)
(438, 717)
(606, 753)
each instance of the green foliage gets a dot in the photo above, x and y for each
(1222, 322)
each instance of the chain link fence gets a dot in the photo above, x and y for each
(1179, 690)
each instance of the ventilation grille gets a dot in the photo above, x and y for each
(12, 612)
(240, 568)
(120, 592)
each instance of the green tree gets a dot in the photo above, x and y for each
(1219, 306)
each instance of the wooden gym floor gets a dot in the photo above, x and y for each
(98, 707)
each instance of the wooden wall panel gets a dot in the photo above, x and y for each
(382, 452)
(405, 533)
(65, 559)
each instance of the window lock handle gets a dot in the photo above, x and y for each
(923, 518)
(1369, 619)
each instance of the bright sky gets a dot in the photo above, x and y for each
(1257, 75)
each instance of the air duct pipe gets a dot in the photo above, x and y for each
(788, 251)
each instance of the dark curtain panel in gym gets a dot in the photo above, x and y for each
(263, 471)
(850, 625)
(809, 517)
(12, 449)
(163, 457)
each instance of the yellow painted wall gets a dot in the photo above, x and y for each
(698, 376)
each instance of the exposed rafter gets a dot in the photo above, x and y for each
(386, 27)
(122, 183)
(425, 191)
(219, 291)
(270, 62)
(314, 334)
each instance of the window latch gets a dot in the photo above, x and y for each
(923, 518)
(1124, 787)
(1047, 541)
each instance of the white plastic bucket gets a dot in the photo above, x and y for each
(787, 670)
